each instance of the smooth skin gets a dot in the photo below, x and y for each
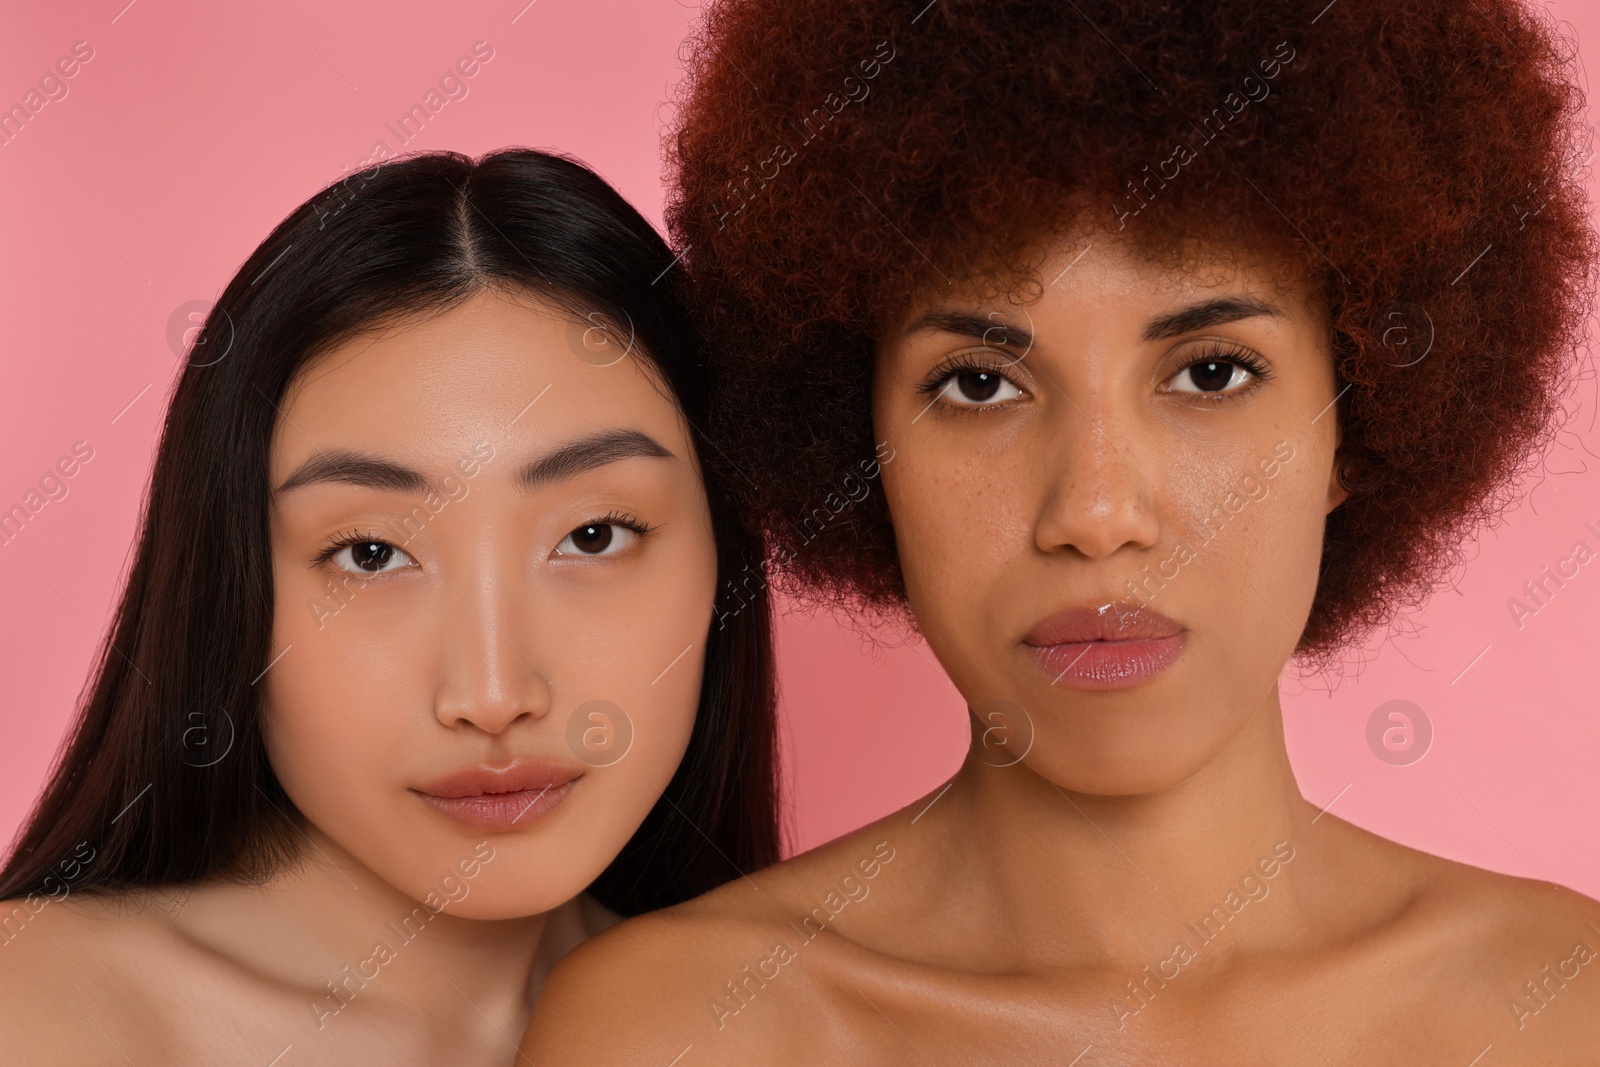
(493, 613)
(1125, 876)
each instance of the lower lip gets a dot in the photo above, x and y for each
(1107, 664)
(500, 811)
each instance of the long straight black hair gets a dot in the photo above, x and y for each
(164, 777)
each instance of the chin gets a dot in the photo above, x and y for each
(1112, 782)
(1097, 768)
(529, 875)
(515, 899)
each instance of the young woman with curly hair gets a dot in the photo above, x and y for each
(1131, 349)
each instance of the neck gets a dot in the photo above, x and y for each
(1114, 879)
(351, 941)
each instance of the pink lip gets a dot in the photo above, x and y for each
(1109, 646)
(504, 798)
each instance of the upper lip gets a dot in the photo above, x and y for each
(516, 777)
(1111, 620)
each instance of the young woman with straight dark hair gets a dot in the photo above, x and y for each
(420, 675)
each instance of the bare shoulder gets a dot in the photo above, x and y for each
(1500, 914)
(1537, 945)
(713, 980)
(639, 992)
(1517, 957)
(66, 977)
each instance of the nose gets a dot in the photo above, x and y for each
(1099, 496)
(488, 655)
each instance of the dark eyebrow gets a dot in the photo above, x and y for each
(1211, 313)
(966, 324)
(586, 453)
(345, 467)
(1175, 324)
(342, 466)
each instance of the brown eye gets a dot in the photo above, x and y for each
(978, 388)
(596, 539)
(1213, 376)
(591, 539)
(370, 557)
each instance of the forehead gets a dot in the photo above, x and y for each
(1104, 275)
(497, 367)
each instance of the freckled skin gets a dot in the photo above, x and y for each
(1096, 469)
(1128, 876)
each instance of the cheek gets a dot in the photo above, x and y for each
(959, 521)
(338, 703)
(631, 666)
(624, 632)
(627, 668)
(1290, 531)
(1255, 540)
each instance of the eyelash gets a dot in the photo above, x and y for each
(347, 538)
(622, 519)
(963, 363)
(1216, 352)
(1222, 352)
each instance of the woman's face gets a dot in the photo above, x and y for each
(494, 571)
(1139, 442)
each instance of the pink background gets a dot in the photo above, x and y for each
(197, 126)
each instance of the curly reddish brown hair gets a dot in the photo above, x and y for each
(1420, 165)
